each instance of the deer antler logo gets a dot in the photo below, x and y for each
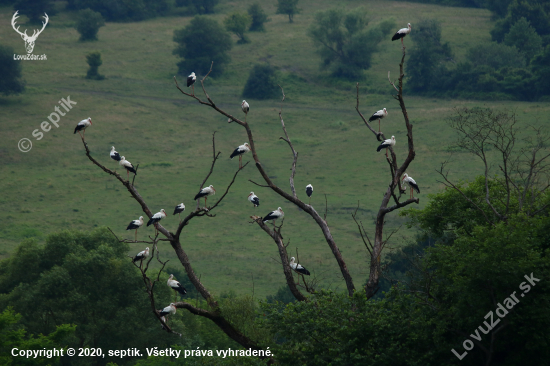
(29, 41)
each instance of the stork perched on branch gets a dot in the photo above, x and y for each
(378, 115)
(175, 285)
(135, 224)
(82, 125)
(191, 81)
(401, 34)
(128, 166)
(411, 182)
(114, 154)
(156, 218)
(141, 256)
(179, 209)
(274, 215)
(240, 151)
(170, 309)
(387, 143)
(309, 192)
(205, 192)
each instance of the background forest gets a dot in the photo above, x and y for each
(477, 241)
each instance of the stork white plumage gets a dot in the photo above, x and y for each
(191, 81)
(401, 34)
(298, 267)
(141, 256)
(179, 209)
(135, 225)
(378, 115)
(169, 310)
(82, 125)
(245, 107)
(128, 166)
(156, 218)
(411, 182)
(254, 199)
(240, 151)
(387, 143)
(309, 192)
(274, 215)
(114, 154)
(175, 285)
(205, 192)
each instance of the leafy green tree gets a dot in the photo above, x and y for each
(238, 23)
(10, 69)
(34, 9)
(12, 335)
(84, 279)
(125, 10)
(495, 55)
(203, 6)
(258, 16)
(540, 66)
(88, 24)
(289, 7)
(94, 61)
(426, 65)
(536, 12)
(283, 295)
(524, 38)
(498, 7)
(343, 42)
(261, 83)
(202, 41)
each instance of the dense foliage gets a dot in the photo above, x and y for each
(343, 41)
(94, 62)
(34, 9)
(258, 16)
(491, 71)
(238, 24)
(88, 24)
(261, 83)
(289, 7)
(202, 41)
(124, 10)
(10, 69)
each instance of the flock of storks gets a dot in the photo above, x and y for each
(208, 191)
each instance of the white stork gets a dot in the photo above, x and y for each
(401, 34)
(274, 215)
(179, 209)
(175, 285)
(156, 218)
(191, 81)
(378, 115)
(298, 267)
(141, 256)
(411, 183)
(205, 192)
(170, 309)
(240, 151)
(309, 192)
(82, 125)
(135, 224)
(114, 154)
(128, 166)
(254, 199)
(387, 143)
(245, 107)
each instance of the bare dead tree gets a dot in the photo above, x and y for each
(375, 248)
(523, 173)
(269, 183)
(214, 313)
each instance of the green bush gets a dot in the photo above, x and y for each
(524, 38)
(258, 18)
(88, 24)
(94, 61)
(261, 83)
(289, 7)
(238, 23)
(202, 41)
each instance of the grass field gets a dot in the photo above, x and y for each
(138, 109)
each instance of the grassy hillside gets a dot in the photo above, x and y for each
(138, 109)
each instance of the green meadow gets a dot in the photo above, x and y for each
(138, 109)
